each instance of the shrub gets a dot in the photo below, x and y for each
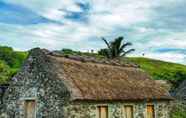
(5, 72)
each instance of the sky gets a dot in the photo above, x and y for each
(157, 28)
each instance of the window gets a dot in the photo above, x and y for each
(150, 111)
(30, 109)
(103, 111)
(128, 110)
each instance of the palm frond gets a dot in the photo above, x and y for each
(106, 42)
(116, 47)
(124, 46)
(127, 52)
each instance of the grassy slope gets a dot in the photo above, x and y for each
(154, 67)
(161, 70)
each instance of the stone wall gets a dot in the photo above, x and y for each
(35, 82)
(115, 110)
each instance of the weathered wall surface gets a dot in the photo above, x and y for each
(115, 110)
(35, 82)
(181, 91)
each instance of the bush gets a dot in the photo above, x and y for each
(13, 58)
(5, 72)
(6, 54)
(10, 63)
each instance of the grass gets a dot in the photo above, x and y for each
(161, 70)
(156, 67)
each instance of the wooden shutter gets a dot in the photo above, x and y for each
(150, 111)
(103, 111)
(128, 110)
(30, 108)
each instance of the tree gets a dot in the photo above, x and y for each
(115, 48)
(14, 59)
(6, 55)
(5, 73)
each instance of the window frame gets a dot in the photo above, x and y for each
(30, 99)
(133, 110)
(154, 112)
(98, 110)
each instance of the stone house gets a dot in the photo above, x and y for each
(55, 86)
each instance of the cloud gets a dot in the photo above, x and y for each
(169, 15)
(49, 9)
(154, 27)
(171, 40)
(170, 57)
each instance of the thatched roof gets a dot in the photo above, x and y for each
(88, 79)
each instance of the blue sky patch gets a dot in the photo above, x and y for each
(16, 14)
(174, 50)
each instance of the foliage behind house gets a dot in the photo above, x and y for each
(10, 62)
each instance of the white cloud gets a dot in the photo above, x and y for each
(104, 18)
(171, 57)
(113, 13)
(173, 40)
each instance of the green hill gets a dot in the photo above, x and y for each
(161, 70)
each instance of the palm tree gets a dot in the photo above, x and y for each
(116, 48)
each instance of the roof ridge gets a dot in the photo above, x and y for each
(114, 62)
(85, 58)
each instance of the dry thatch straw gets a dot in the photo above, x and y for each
(92, 80)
